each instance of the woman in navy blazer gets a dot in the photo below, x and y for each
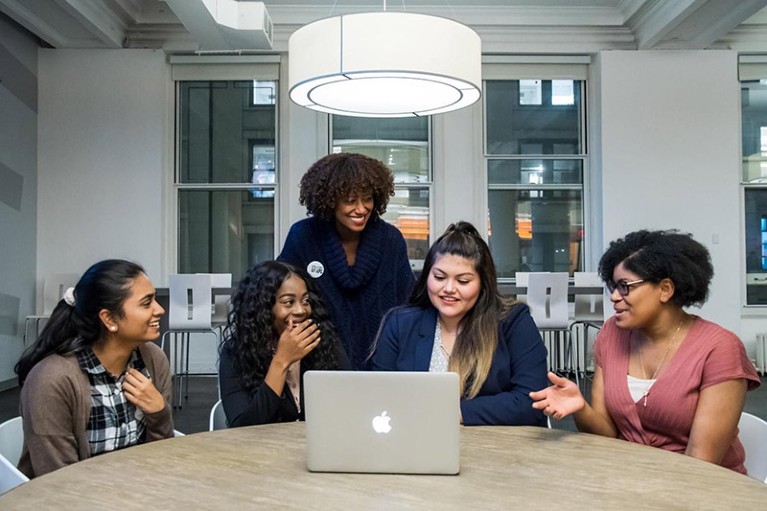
(456, 320)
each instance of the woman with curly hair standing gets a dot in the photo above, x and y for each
(277, 330)
(358, 260)
(663, 377)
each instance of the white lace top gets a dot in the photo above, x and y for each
(439, 360)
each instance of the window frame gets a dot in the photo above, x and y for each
(428, 183)
(750, 68)
(552, 68)
(224, 69)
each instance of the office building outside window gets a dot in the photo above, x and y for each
(404, 146)
(226, 174)
(536, 157)
(754, 183)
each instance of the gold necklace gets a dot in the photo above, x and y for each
(660, 364)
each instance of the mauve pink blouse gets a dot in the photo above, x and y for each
(708, 355)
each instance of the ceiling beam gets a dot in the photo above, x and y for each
(28, 19)
(689, 24)
(723, 18)
(656, 19)
(97, 19)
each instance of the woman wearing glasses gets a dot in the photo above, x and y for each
(663, 377)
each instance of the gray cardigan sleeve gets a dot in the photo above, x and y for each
(159, 425)
(52, 407)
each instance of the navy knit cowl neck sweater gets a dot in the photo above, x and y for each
(358, 296)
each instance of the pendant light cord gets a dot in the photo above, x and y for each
(333, 8)
(455, 16)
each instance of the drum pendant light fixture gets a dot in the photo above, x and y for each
(384, 64)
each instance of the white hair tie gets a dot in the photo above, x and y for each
(69, 296)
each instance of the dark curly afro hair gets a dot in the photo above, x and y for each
(658, 255)
(340, 175)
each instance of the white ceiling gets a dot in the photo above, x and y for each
(527, 26)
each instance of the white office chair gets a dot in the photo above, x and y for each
(220, 308)
(54, 286)
(217, 417)
(11, 441)
(588, 317)
(752, 432)
(547, 299)
(522, 279)
(189, 312)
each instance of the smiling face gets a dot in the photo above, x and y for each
(291, 303)
(353, 212)
(453, 285)
(140, 321)
(640, 307)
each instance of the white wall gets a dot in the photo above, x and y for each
(102, 175)
(18, 190)
(670, 156)
(460, 185)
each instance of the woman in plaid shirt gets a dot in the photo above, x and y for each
(92, 383)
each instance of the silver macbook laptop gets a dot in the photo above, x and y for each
(382, 422)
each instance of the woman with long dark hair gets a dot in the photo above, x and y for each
(278, 329)
(456, 320)
(92, 382)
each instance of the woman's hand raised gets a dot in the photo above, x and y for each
(140, 391)
(297, 341)
(560, 399)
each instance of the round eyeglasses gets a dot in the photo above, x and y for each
(622, 286)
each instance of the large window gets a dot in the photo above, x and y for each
(535, 159)
(226, 175)
(403, 145)
(754, 179)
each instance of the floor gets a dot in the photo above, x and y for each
(194, 414)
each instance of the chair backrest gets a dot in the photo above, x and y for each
(189, 302)
(547, 299)
(220, 302)
(11, 439)
(753, 435)
(522, 279)
(10, 476)
(588, 307)
(54, 287)
(217, 417)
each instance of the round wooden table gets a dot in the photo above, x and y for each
(501, 468)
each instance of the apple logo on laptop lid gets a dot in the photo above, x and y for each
(381, 423)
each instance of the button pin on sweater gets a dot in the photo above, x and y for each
(315, 269)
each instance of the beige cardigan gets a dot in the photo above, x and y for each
(56, 404)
